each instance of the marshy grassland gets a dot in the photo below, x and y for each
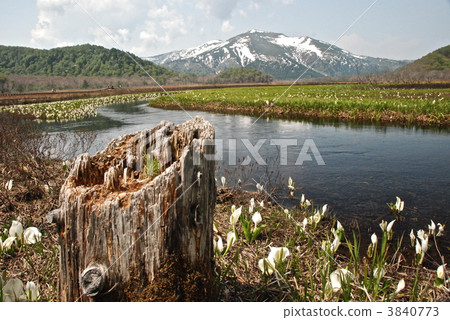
(73, 109)
(336, 102)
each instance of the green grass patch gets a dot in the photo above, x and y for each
(349, 102)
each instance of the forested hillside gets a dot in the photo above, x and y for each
(438, 60)
(82, 60)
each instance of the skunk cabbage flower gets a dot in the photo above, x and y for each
(379, 272)
(412, 237)
(252, 205)
(31, 292)
(432, 228)
(339, 227)
(400, 286)
(324, 210)
(440, 276)
(291, 184)
(418, 247)
(16, 229)
(218, 246)
(291, 188)
(425, 243)
(421, 234)
(32, 235)
(335, 244)
(383, 225)
(12, 290)
(399, 205)
(256, 219)
(340, 277)
(234, 218)
(231, 238)
(374, 239)
(259, 187)
(8, 243)
(440, 273)
(440, 230)
(305, 222)
(278, 254)
(304, 201)
(261, 204)
(317, 217)
(224, 182)
(266, 266)
(389, 226)
(389, 230)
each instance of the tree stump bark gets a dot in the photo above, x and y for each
(138, 212)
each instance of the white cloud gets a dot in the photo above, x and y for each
(123, 35)
(389, 47)
(53, 5)
(145, 27)
(226, 26)
(221, 9)
(163, 26)
(44, 31)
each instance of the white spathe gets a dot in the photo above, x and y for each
(234, 218)
(12, 290)
(16, 229)
(9, 242)
(278, 254)
(340, 277)
(32, 235)
(257, 218)
(266, 266)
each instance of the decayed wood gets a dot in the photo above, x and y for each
(93, 279)
(117, 224)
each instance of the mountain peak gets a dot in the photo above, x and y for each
(283, 57)
(255, 31)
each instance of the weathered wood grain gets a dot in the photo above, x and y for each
(118, 226)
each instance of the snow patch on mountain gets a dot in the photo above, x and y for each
(241, 48)
(302, 44)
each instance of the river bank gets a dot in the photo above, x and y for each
(374, 104)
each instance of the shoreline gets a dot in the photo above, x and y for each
(371, 104)
(388, 118)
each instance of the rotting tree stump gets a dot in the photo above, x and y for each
(127, 235)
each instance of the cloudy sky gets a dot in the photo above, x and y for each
(398, 29)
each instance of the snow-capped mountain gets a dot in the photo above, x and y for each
(274, 53)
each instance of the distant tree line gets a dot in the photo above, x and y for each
(82, 60)
(242, 75)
